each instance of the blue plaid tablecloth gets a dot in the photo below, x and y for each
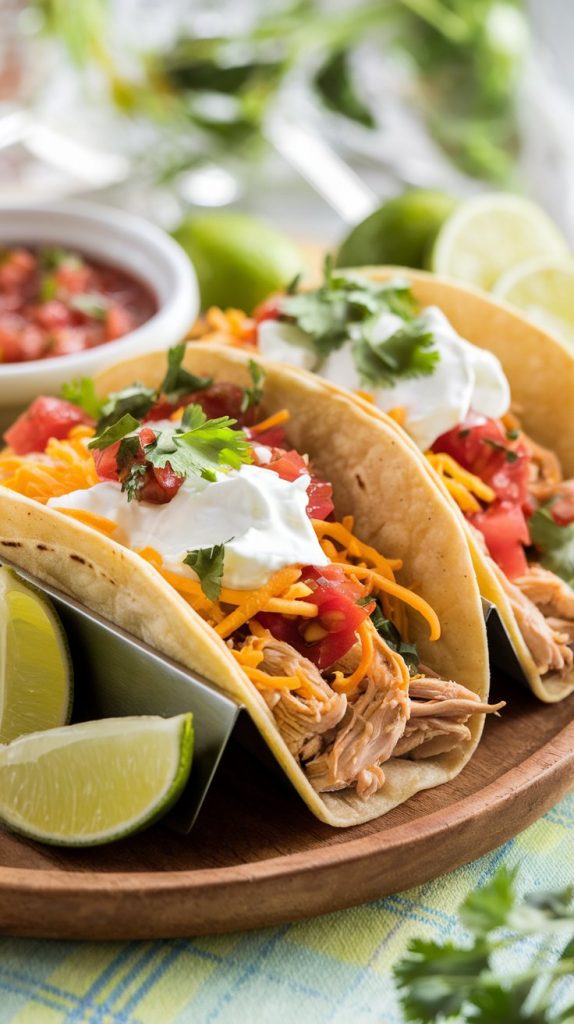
(329, 970)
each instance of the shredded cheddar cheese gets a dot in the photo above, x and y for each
(346, 684)
(272, 421)
(398, 414)
(99, 523)
(465, 487)
(231, 325)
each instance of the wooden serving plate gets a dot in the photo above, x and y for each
(258, 857)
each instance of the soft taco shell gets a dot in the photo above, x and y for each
(376, 477)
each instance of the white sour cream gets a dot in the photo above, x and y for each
(265, 515)
(465, 377)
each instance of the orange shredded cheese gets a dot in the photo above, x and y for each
(398, 414)
(64, 467)
(365, 395)
(302, 609)
(272, 421)
(465, 487)
(99, 523)
(381, 583)
(254, 601)
(346, 684)
(233, 324)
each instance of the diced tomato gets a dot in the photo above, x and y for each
(221, 399)
(73, 277)
(290, 466)
(19, 341)
(505, 531)
(269, 309)
(52, 314)
(106, 461)
(275, 437)
(119, 321)
(16, 269)
(482, 446)
(47, 417)
(562, 506)
(339, 616)
(159, 485)
(161, 410)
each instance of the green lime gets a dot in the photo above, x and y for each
(35, 669)
(490, 233)
(544, 291)
(239, 260)
(401, 232)
(95, 782)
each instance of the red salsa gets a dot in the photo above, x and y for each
(54, 302)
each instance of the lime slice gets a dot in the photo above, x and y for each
(239, 260)
(544, 291)
(35, 667)
(490, 233)
(401, 232)
(95, 782)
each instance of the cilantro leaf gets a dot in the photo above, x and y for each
(52, 257)
(407, 353)
(115, 432)
(435, 981)
(488, 908)
(178, 380)
(201, 447)
(390, 634)
(494, 1003)
(130, 472)
(91, 304)
(555, 543)
(207, 563)
(82, 392)
(136, 400)
(48, 288)
(252, 396)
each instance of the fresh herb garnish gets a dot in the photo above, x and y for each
(135, 400)
(82, 392)
(439, 982)
(407, 353)
(510, 454)
(115, 432)
(348, 308)
(207, 563)
(201, 446)
(48, 288)
(513, 435)
(555, 543)
(91, 304)
(53, 257)
(177, 380)
(130, 471)
(390, 634)
(464, 433)
(252, 396)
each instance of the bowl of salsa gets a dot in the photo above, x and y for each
(83, 286)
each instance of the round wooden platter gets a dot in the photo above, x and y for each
(257, 857)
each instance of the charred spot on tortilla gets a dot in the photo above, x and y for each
(78, 558)
(360, 481)
(11, 544)
(42, 547)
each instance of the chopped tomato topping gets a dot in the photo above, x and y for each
(220, 399)
(290, 465)
(156, 485)
(339, 617)
(47, 417)
(269, 309)
(505, 531)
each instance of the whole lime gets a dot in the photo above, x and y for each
(239, 259)
(401, 232)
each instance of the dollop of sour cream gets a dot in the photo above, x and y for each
(465, 377)
(260, 518)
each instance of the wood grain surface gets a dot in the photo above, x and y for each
(257, 856)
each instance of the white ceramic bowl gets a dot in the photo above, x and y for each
(117, 238)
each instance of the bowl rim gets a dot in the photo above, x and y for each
(129, 224)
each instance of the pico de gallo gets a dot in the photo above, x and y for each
(207, 489)
(55, 302)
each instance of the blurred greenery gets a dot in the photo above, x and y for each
(465, 57)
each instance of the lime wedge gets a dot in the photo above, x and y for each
(488, 234)
(239, 259)
(35, 667)
(95, 782)
(544, 291)
(401, 232)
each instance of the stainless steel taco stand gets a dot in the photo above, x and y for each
(116, 675)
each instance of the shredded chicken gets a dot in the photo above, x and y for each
(547, 591)
(548, 647)
(301, 721)
(545, 473)
(343, 740)
(375, 720)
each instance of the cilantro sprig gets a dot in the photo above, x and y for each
(200, 447)
(82, 392)
(207, 563)
(441, 982)
(390, 634)
(252, 396)
(348, 308)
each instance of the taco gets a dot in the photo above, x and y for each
(487, 397)
(259, 527)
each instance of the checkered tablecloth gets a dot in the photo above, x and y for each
(329, 970)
